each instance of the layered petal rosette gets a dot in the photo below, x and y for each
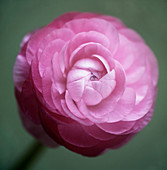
(85, 81)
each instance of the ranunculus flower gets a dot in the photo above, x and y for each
(85, 81)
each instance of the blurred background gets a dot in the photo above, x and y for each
(148, 150)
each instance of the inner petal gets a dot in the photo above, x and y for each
(89, 64)
(91, 96)
(89, 50)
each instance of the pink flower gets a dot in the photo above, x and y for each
(85, 81)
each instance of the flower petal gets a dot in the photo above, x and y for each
(20, 72)
(91, 96)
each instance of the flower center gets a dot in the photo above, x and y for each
(93, 77)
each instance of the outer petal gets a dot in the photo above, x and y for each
(98, 133)
(46, 88)
(75, 135)
(98, 25)
(34, 42)
(29, 103)
(124, 106)
(35, 129)
(20, 71)
(116, 128)
(48, 53)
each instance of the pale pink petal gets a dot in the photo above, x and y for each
(91, 96)
(48, 53)
(89, 64)
(72, 107)
(142, 122)
(77, 74)
(92, 116)
(124, 106)
(46, 88)
(37, 79)
(116, 128)
(153, 64)
(91, 49)
(126, 52)
(108, 104)
(20, 71)
(26, 39)
(34, 42)
(58, 78)
(86, 37)
(141, 93)
(72, 116)
(98, 25)
(131, 35)
(134, 76)
(63, 34)
(24, 43)
(104, 62)
(76, 89)
(105, 85)
(141, 108)
(56, 98)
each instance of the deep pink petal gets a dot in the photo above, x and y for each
(98, 133)
(75, 135)
(29, 103)
(37, 131)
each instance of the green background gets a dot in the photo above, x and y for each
(148, 150)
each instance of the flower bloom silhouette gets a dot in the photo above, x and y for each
(85, 81)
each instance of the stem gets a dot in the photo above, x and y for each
(27, 159)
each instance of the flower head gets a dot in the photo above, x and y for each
(85, 81)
